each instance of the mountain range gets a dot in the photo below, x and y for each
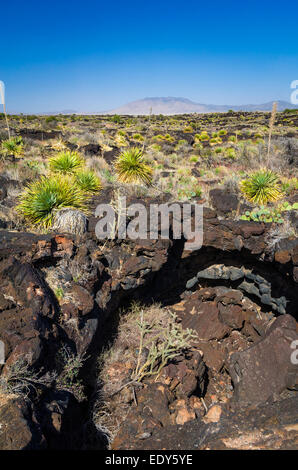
(172, 105)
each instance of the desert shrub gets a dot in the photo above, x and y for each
(21, 380)
(188, 193)
(116, 119)
(88, 181)
(158, 137)
(130, 167)
(169, 138)
(231, 184)
(42, 198)
(289, 185)
(69, 377)
(51, 119)
(13, 146)
(66, 162)
(171, 341)
(138, 137)
(230, 153)
(278, 233)
(152, 330)
(204, 137)
(222, 132)
(261, 187)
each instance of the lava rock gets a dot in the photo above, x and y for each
(265, 369)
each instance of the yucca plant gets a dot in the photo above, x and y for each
(42, 198)
(131, 167)
(88, 181)
(66, 162)
(13, 146)
(261, 187)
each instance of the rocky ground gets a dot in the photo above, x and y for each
(70, 307)
(237, 376)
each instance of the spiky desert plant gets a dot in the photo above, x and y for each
(88, 181)
(66, 162)
(13, 146)
(261, 187)
(131, 167)
(42, 198)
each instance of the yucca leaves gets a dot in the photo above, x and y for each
(66, 162)
(13, 146)
(88, 181)
(261, 187)
(42, 198)
(131, 167)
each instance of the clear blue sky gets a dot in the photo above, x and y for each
(96, 55)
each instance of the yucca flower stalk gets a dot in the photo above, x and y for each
(131, 167)
(66, 162)
(2, 101)
(261, 187)
(42, 198)
(271, 124)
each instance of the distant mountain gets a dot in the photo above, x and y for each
(172, 105)
(64, 112)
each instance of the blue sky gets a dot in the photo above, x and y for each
(97, 55)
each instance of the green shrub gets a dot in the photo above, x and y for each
(261, 187)
(50, 119)
(188, 129)
(138, 137)
(88, 181)
(66, 162)
(42, 198)
(13, 146)
(116, 118)
(230, 153)
(204, 137)
(131, 167)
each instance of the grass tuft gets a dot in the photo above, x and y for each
(261, 187)
(42, 198)
(66, 162)
(88, 181)
(131, 167)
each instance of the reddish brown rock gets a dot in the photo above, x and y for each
(18, 428)
(265, 369)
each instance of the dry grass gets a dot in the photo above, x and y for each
(141, 349)
(271, 124)
(278, 233)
